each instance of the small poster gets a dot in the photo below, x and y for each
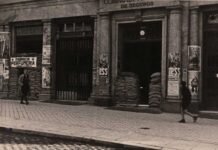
(4, 68)
(173, 81)
(193, 82)
(174, 60)
(173, 88)
(194, 57)
(4, 43)
(173, 74)
(23, 62)
(46, 77)
(46, 54)
(103, 65)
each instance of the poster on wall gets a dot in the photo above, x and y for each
(23, 62)
(174, 60)
(103, 65)
(194, 57)
(4, 71)
(4, 43)
(193, 82)
(46, 54)
(173, 81)
(46, 77)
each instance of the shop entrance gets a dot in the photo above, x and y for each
(141, 54)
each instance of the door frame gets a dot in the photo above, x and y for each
(115, 46)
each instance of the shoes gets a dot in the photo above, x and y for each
(195, 118)
(182, 121)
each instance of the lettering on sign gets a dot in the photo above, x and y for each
(103, 71)
(130, 3)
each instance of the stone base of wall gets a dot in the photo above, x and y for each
(174, 107)
(100, 100)
(4, 95)
(44, 96)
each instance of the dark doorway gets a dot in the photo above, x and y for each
(210, 64)
(142, 55)
(74, 68)
(74, 47)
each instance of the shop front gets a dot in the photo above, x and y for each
(112, 52)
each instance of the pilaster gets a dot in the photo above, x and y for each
(101, 94)
(174, 51)
(46, 82)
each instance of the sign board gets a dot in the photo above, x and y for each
(23, 62)
(114, 5)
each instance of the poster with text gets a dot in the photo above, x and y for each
(194, 57)
(46, 77)
(173, 81)
(23, 62)
(173, 88)
(4, 71)
(4, 43)
(193, 82)
(46, 54)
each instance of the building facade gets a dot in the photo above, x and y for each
(111, 52)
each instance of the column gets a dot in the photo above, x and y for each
(194, 53)
(101, 94)
(46, 82)
(174, 51)
(194, 26)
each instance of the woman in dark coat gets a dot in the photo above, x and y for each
(186, 101)
(24, 86)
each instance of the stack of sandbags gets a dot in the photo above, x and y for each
(126, 88)
(155, 90)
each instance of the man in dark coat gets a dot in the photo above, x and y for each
(186, 101)
(23, 82)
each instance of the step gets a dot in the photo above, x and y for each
(208, 114)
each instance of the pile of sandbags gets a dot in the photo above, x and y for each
(126, 88)
(155, 90)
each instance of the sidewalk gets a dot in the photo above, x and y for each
(158, 131)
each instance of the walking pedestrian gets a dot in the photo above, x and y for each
(185, 102)
(24, 87)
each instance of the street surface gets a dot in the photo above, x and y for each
(17, 141)
(160, 131)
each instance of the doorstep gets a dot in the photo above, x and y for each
(136, 108)
(208, 114)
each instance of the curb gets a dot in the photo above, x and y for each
(117, 146)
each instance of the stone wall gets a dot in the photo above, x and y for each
(127, 89)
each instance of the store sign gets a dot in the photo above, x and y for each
(109, 5)
(130, 3)
(23, 62)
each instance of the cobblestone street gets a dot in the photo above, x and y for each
(156, 131)
(17, 141)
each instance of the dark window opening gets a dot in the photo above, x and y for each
(29, 39)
